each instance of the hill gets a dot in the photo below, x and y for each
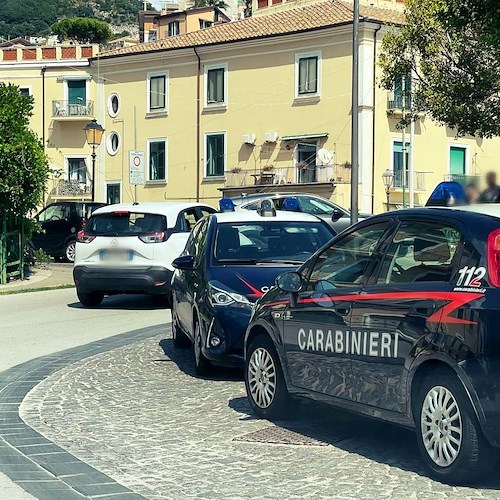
(34, 17)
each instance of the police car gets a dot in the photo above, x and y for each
(230, 260)
(397, 318)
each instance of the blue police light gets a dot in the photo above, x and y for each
(266, 208)
(291, 204)
(226, 205)
(447, 194)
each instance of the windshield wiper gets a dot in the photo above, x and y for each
(280, 261)
(237, 261)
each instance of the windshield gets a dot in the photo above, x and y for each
(270, 241)
(125, 224)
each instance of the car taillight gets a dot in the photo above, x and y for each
(154, 237)
(84, 238)
(494, 258)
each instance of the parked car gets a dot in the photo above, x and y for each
(396, 318)
(129, 248)
(337, 217)
(60, 223)
(231, 260)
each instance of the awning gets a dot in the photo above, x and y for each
(304, 137)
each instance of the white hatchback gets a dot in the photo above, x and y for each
(129, 248)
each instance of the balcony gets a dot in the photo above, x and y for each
(401, 181)
(395, 102)
(65, 110)
(71, 190)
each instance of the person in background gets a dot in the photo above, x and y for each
(492, 193)
(472, 193)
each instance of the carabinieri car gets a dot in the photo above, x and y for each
(398, 319)
(230, 260)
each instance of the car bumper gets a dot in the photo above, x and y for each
(152, 280)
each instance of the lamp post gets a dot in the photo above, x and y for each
(388, 178)
(94, 133)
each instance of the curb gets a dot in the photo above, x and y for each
(37, 289)
(35, 463)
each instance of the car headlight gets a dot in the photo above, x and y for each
(220, 297)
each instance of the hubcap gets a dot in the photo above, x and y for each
(441, 425)
(262, 377)
(70, 252)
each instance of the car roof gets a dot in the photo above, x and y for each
(167, 208)
(238, 200)
(253, 216)
(488, 209)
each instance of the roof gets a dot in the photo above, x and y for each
(491, 209)
(167, 208)
(253, 216)
(310, 17)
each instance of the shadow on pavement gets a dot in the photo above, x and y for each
(125, 301)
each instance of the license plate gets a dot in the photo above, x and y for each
(116, 255)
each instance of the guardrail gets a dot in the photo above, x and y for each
(72, 188)
(61, 109)
(401, 181)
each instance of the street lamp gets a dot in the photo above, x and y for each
(94, 133)
(388, 178)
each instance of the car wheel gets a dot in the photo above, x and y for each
(179, 338)
(264, 380)
(162, 300)
(201, 364)
(69, 252)
(91, 299)
(449, 436)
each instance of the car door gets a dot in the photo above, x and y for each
(316, 326)
(55, 226)
(403, 303)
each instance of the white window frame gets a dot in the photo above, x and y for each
(87, 162)
(206, 69)
(119, 182)
(149, 141)
(304, 55)
(66, 79)
(205, 144)
(178, 27)
(467, 156)
(150, 75)
(111, 113)
(28, 88)
(108, 143)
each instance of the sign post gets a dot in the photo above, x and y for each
(136, 169)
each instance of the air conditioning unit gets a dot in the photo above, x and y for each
(249, 139)
(271, 137)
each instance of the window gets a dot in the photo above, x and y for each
(215, 85)
(157, 92)
(157, 159)
(306, 162)
(206, 211)
(308, 74)
(113, 193)
(396, 100)
(24, 91)
(173, 28)
(187, 220)
(317, 206)
(113, 105)
(151, 36)
(77, 92)
(458, 165)
(215, 160)
(420, 251)
(77, 170)
(54, 212)
(345, 263)
(125, 224)
(205, 24)
(113, 143)
(400, 180)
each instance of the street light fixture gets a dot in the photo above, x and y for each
(94, 133)
(388, 178)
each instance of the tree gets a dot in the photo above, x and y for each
(221, 4)
(452, 48)
(82, 29)
(24, 168)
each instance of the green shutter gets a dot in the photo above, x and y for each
(77, 92)
(457, 161)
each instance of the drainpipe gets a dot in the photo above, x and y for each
(198, 126)
(43, 70)
(375, 33)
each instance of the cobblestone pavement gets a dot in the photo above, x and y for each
(139, 415)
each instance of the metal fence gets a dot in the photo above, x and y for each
(11, 251)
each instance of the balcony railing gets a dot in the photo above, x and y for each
(337, 174)
(62, 109)
(395, 102)
(401, 181)
(75, 189)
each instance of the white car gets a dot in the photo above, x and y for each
(129, 248)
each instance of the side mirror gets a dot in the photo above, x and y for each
(336, 214)
(290, 282)
(184, 263)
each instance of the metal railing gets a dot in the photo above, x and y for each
(395, 102)
(11, 252)
(401, 181)
(338, 174)
(72, 188)
(66, 108)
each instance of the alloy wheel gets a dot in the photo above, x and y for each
(262, 377)
(70, 252)
(441, 426)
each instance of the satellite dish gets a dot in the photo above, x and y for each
(324, 157)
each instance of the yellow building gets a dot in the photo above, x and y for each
(64, 102)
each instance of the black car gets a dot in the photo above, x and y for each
(60, 223)
(396, 318)
(230, 260)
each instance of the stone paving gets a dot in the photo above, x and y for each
(139, 415)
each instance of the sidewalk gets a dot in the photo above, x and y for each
(54, 275)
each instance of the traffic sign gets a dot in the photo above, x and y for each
(136, 166)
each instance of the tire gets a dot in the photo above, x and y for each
(69, 251)
(179, 338)
(91, 299)
(202, 365)
(449, 437)
(162, 300)
(262, 371)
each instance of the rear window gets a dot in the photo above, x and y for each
(126, 224)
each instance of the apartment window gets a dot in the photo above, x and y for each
(397, 94)
(151, 36)
(205, 24)
(25, 91)
(458, 160)
(157, 91)
(308, 74)
(113, 143)
(173, 28)
(215, 157)
(77, 170)
(400, 179)
(157, 159)
(113, 192)
(215, 85)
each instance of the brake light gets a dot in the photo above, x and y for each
(121, 212)
(154, 237)
(84, 238)
(494, 258)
